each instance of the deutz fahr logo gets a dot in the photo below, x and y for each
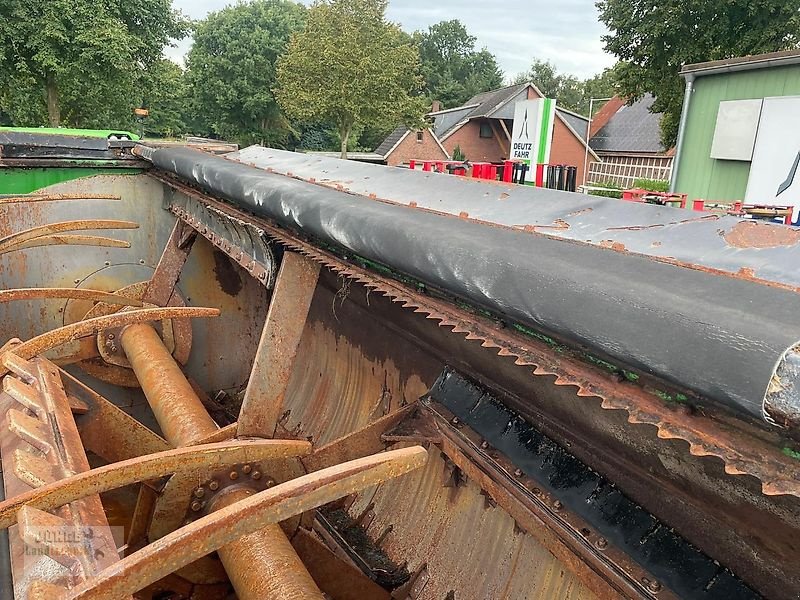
(522, 149)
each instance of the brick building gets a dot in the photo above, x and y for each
(404, 144)
(482, 128)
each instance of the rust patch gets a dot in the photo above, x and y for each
(746, 273)
(582, 211)
(463, 215)
(618, 246)
(559, 224)
(748, 234)
(228, 277)
(503, 196)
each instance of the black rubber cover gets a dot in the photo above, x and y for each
(720, 336)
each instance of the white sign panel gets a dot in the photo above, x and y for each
(775, 171)
(532, 134)
(735, 133)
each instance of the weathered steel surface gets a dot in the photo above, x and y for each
(286, 318)
(704, 433)
(12, 199)
(692, 339)
(74, 293)
(151, 466)
(179, 412)
(274, 568)
(10, 242)
(246, 516)
(469, 547)
(51, 339)
(165, 277)
(70, 240)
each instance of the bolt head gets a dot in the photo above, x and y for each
(247, 468)
(602, 542)
(234, 475)
(111, 336)
(654, 586)
(517, 472)
(197, 505)
(484, 444)
(213, 485)
(557, 505)
(455, 421)
(199, 492)
(255, 475)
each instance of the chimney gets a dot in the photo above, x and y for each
(436, 106)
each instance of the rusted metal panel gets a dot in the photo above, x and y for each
(469, 548)
(165, 277)
(245, 517)
(264, 398)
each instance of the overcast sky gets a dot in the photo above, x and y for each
(565, 32)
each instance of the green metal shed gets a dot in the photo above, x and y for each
(695, 172)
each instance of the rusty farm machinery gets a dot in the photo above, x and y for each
(269, 375)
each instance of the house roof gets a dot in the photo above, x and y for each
(632, 129)
(392, 140)
(743, 63)
(577, 122)
(398, 135)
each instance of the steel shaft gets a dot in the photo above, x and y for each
(262, 565)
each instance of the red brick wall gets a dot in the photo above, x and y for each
(476, 148)
(410, 148)
(566, 149)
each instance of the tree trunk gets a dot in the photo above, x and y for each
(344, 132)
(53, 107)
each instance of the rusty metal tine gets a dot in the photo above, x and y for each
(70, 240)
(213, 531)
(25, 394)
(14, 239)
(51, 339)
(184, 460)
(18, 366)
(286, 319)
(32, 469)
(29, 429)
(67, 293)
(33, 522)
(24, 198)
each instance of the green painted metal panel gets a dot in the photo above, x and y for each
(701, 176)
(25, 180)
(101, 133)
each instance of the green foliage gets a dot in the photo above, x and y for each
(612, 190)
(166, 96)
(458, 153)
(655, 37)
(569, 91)
(349, 66)
(231, 70)
(651, 185)
(453, 69)
(79, 62)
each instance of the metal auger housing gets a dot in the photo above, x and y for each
(256, 375)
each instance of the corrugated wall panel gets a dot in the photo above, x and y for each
(701, 176)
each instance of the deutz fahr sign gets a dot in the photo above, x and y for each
(532, 133)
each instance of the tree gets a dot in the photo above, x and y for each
(350, 67)
(453, 69)
(570, 92)
(655, 38)
(82, 58)
(231, 70)
(166, 96)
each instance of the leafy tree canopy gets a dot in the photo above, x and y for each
(231, 70)
(79, 62)
(350, 67)
(454, 70)
(166, 96)
(569, 91)
(655, 38)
